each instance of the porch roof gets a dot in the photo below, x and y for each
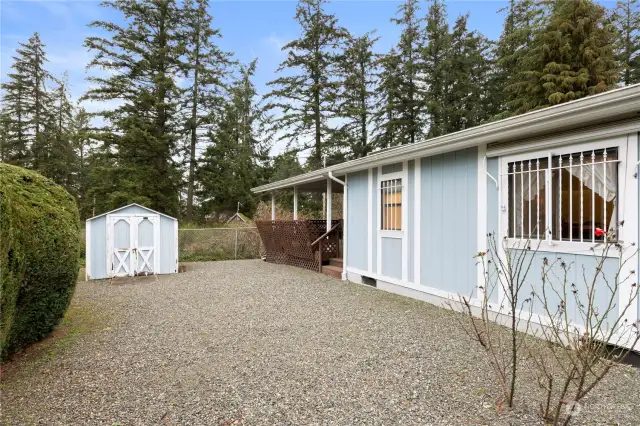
(614, 105)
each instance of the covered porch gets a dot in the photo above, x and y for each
(314, 244)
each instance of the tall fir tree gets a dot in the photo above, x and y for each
(466, 79)
(509, 55)
(386, 119)
(81, 144)
(229, 166)
(207, 67)
(306, 99)
(410, 97)
(437, 66)
(143, 59)
(572, 57)
(626, 17)
(26, 102)
(61, 164)
(356, 100)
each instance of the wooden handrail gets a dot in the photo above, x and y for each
(323, 236)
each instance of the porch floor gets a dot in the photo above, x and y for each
(248, 342)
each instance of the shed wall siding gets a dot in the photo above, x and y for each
(167, 246)
(98, 248)
(448, 237)
(357, 219)
(493, 212)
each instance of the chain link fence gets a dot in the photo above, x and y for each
(219, 244)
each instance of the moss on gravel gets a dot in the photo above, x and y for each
(38, 257)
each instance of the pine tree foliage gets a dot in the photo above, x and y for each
(510, 53)
(27, 101)
(306, 97)
(356, 70)
(386, 118)
(572, 57)
(410, 119)
(467, 76)
(207, 68)
(437, 66)
(142, 59)
(627, 21)
(229, 166)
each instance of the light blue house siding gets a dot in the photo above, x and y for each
(97, 247)
(448, 222)
(357, 220)
(575, 264)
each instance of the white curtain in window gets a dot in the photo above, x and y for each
(600, 180)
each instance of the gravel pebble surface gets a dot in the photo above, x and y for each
(247, 342)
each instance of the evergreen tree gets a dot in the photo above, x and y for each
(307, 98)
(437, 66)
(143, 58)
(61, 163)
(627, 21)
(207, 67)
(386, 117)
(356, 101)
(571, 57)
(25, 105)
(410, 121)
(466, 78)
(510, 51)
(229, 167)
(81, 145)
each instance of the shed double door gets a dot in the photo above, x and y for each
(132, 244)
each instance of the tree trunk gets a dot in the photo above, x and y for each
(194, 127)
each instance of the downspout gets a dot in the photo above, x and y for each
(344, 222)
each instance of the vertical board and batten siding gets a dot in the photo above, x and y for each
(167, 246)
(408, 195)
(98, 247)
(373, 190)
(448, 237)
(357, 219)
(577, 263)
(493, 215)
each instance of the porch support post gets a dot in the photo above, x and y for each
(344, 228)
(328, 204)
(295, 203)
(273, 206)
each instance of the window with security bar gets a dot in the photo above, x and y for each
(569, 197)
(391, 199)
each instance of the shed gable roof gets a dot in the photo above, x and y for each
(131, 205)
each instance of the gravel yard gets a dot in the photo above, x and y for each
(246, 342)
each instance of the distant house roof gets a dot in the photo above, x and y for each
(605, 107)
(239, 216)
(131, 205)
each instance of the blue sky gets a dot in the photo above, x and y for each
(249, 28)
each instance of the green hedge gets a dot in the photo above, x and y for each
(39, 252)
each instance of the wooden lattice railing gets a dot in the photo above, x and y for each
(291, 242)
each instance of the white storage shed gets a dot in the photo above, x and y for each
(132, 240)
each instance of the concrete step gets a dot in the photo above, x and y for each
(336, 261)
(332, 271)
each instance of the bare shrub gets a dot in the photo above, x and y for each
(569, 353)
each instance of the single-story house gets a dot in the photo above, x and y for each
(417, 214)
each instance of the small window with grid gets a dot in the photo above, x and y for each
(570, 197)
(391, 199)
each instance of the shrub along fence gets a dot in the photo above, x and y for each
(219, 244)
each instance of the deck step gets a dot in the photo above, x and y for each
(332, 271)
(336, 261)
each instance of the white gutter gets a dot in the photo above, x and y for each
(581, 112)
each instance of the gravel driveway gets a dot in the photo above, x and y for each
(246, 342)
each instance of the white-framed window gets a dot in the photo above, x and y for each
(391, 204)
(566, 196)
